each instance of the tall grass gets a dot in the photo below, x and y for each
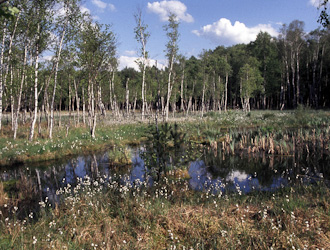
(108, 214)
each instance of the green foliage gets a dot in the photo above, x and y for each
(268, 116)
(97, 45)
(250, 78)
(212, 114)
(172, 32)
(5, 243)
(8, 11)
(324, 16)
(264, 48)
(301, 115)
(162, 148)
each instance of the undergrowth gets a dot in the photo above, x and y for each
(108, 214)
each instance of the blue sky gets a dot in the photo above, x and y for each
(204, 24)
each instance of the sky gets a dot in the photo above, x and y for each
(204, 24)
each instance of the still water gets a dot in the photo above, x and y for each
(212, 172)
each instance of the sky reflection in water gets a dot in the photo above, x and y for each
(232, 174)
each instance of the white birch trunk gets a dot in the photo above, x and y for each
(20, 95)
(12, 101)
(84, 105)
(77, 99)
(181, 92)
(100, 103)
(169, 89)
(127, 98)
(143, 84)
(54, 90)
(69, 102)
(1, 69)
(93, 113)
(226, 91)
(7, 69)
(35, 92)
(203, 94)
(111, 93)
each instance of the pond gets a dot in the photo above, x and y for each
(212, 172)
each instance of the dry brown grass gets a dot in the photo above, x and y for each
(3, 195)
(105, 220)
(157, 223)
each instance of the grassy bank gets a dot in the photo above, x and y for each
(110, 215)
(65, 143)
(213, 127)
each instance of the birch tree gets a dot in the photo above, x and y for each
(172, 48)
(250, 82)
(40, 35)
(205, 57)
(66, 24)
(97, 46)
(141, 35)
(4, 32)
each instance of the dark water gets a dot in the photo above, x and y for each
(213, 172)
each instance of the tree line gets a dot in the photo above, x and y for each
(82, 76)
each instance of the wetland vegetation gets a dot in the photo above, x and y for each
(229, 149)
(257, 180)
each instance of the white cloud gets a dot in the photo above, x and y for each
(315, 3)
(318, 3)
(99, 4)
(47, 58)
(96, 18)
(102, 5)
(111, 7)
(130, 62)
(164, 8)
(236, 175)
(224, 33)
(130, 52)
(85, 10)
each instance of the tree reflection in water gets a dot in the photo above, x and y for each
(213, 171)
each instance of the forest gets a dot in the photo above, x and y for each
(82, 76)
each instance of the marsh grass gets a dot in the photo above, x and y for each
(214, 127)
(108, 214)
(76, 141)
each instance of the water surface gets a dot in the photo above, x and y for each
(213, 172)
